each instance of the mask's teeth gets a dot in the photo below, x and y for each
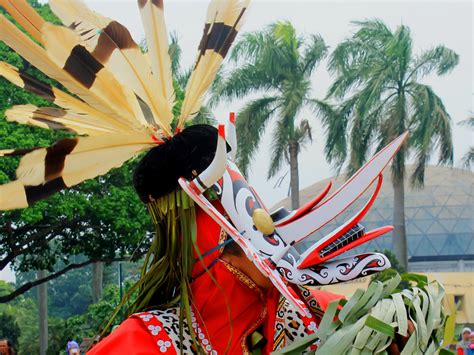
(351, 235)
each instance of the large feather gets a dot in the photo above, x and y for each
(77, 61)
(156, 35)
(57, 118)
(112, 45)
(224, 19)
(25, 15)
(44, 171)
(37, 56)
(58, 97)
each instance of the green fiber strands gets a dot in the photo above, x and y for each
(368, 322)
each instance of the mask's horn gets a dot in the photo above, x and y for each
(217, 167)
(232, 135)
(340, 200)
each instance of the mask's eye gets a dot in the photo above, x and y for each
(250, 205)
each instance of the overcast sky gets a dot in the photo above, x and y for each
(431, 22)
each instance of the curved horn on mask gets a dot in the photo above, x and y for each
(217, 167)
(232, 135)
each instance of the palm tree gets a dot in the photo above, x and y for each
(381, 96)
(468, 158)
(276, 64)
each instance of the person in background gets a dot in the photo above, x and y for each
(462, 346)
(6, 347)
(470, 347)
(72, 348)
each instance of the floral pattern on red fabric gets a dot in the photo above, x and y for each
(160, 336)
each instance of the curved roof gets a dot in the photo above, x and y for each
(439, 217)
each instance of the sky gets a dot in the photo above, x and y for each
(431, 22)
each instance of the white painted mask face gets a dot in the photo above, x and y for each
(273, 252)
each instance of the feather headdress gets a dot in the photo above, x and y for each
(121, 99)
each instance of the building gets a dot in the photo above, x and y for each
(440, 230)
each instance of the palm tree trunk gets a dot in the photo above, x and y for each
(43, 313)
(97, 281)
(399, 233)
(294, 176)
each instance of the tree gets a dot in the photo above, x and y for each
(102, 219)
(25, 313)
(468, 158)
(9, 328)
(278, 64)
(378, 81)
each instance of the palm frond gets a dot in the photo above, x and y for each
(293, 97)
(468, 159)
(335, 121)
(242, 81)
(303, 134)
(313, 54)
(250, 125)
(430, 127)
(373, 31)
(439, 59)
(279, 149)
(249, 45)
(398, 49)
(205, 116)
(174, 51)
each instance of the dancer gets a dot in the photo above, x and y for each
(223, 274)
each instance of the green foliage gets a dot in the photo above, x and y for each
(68, 295)
(279, 63)
(391, 272)
(9, 328)
(89, 323)
(101, 219)
(58, 335)
(25, 313)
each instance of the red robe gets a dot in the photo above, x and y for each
(232, 310)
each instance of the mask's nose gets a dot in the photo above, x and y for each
(263, 221)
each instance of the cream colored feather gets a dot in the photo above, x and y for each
(59, 98)
(95, 157)
(25, 15)
(37, 56)
(70, 11)
(75, 59)
(113, 112)
(54, 118)
(156, 35)
(111, 44)
(90, 157)
(224, 19)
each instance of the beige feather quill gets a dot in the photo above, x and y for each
(153, 20)
(56, 118)
(70, 161)
(25, 15)
(59, 97)
(37, 56)
(77, 61)
(224, 19)
(112, 45)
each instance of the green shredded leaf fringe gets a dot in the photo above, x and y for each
(368, 322)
